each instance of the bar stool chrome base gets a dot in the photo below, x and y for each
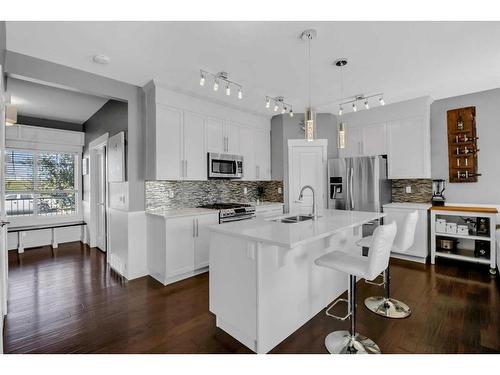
(388, 307)
(341, 342)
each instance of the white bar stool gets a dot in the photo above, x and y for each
(351, 342)
(385, 305)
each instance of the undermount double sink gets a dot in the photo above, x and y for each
(295, 219)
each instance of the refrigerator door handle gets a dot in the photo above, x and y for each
(351, 189)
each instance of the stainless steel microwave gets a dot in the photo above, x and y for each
(225, 165)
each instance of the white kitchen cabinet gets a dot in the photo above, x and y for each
(169, 158)
(180, 234)
(365, 140)
(262, 145)
(178, 247)
(247, 149)
(408, 144)
(202, 239)
(215, 139)
(374, 140)
(397, 212)
(195, 156)
(232, 138)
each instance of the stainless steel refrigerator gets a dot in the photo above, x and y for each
(358, 183)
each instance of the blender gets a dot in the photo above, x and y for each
(438, 188)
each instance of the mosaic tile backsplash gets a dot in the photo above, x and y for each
(421, 190)
(196, 193)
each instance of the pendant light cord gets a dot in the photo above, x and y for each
(309, 59)
(341, 89)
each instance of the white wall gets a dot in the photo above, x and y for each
(487, 189)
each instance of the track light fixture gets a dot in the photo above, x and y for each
(279, 102)
(221, 77)
(365, 99)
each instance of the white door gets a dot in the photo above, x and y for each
(169, 163)
(306, 166)
(215, 139)
(180, 234)
(263, 154)
(195, 157)
(247, 150)
(202, 239)
(101, 198)
(3, 221)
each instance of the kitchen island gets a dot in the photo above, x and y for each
(263, 281)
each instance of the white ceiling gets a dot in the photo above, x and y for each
(402, 59)
(33, 99)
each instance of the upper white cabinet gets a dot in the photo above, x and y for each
(406, 143)
(408, 151)
(366, 140)
(215, 139)
(399, 130)
(262, 147)
(247, 149)
(195, 157)
(168, 142)
(374, 140)
(181, 130)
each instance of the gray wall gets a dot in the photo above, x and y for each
(111, 118)
(3, 42)
(487, 189)
(284, 127)
(69, 78)
(47, 123)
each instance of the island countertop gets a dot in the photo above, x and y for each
(290, 235)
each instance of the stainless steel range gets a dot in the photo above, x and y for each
(232, 211)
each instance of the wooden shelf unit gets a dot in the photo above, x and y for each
(463, 254)
(462, 163)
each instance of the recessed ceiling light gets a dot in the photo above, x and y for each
(101, 59)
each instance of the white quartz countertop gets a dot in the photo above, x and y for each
(266, 204)
(167, 214)
(409, 205)
(295, 234)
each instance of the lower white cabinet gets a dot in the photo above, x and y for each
(178, 247)
(397, 212)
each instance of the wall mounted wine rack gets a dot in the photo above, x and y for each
(462, 145)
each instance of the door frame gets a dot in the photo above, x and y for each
(101, 141)
(4, 269)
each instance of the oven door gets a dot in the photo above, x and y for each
(240, 217)
(222, 166)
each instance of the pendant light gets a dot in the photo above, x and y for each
(341, 132)
(309, 115)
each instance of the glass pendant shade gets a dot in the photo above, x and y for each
(341, 136)
(310, 124)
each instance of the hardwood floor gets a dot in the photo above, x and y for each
(68, 301)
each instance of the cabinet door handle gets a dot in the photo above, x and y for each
(197, 228)
(194, 227)
(185, 168)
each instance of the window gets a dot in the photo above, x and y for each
(40, 183)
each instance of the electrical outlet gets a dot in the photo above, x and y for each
(170, 193)
(245, 190)
(408, 190)
(279, 190)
